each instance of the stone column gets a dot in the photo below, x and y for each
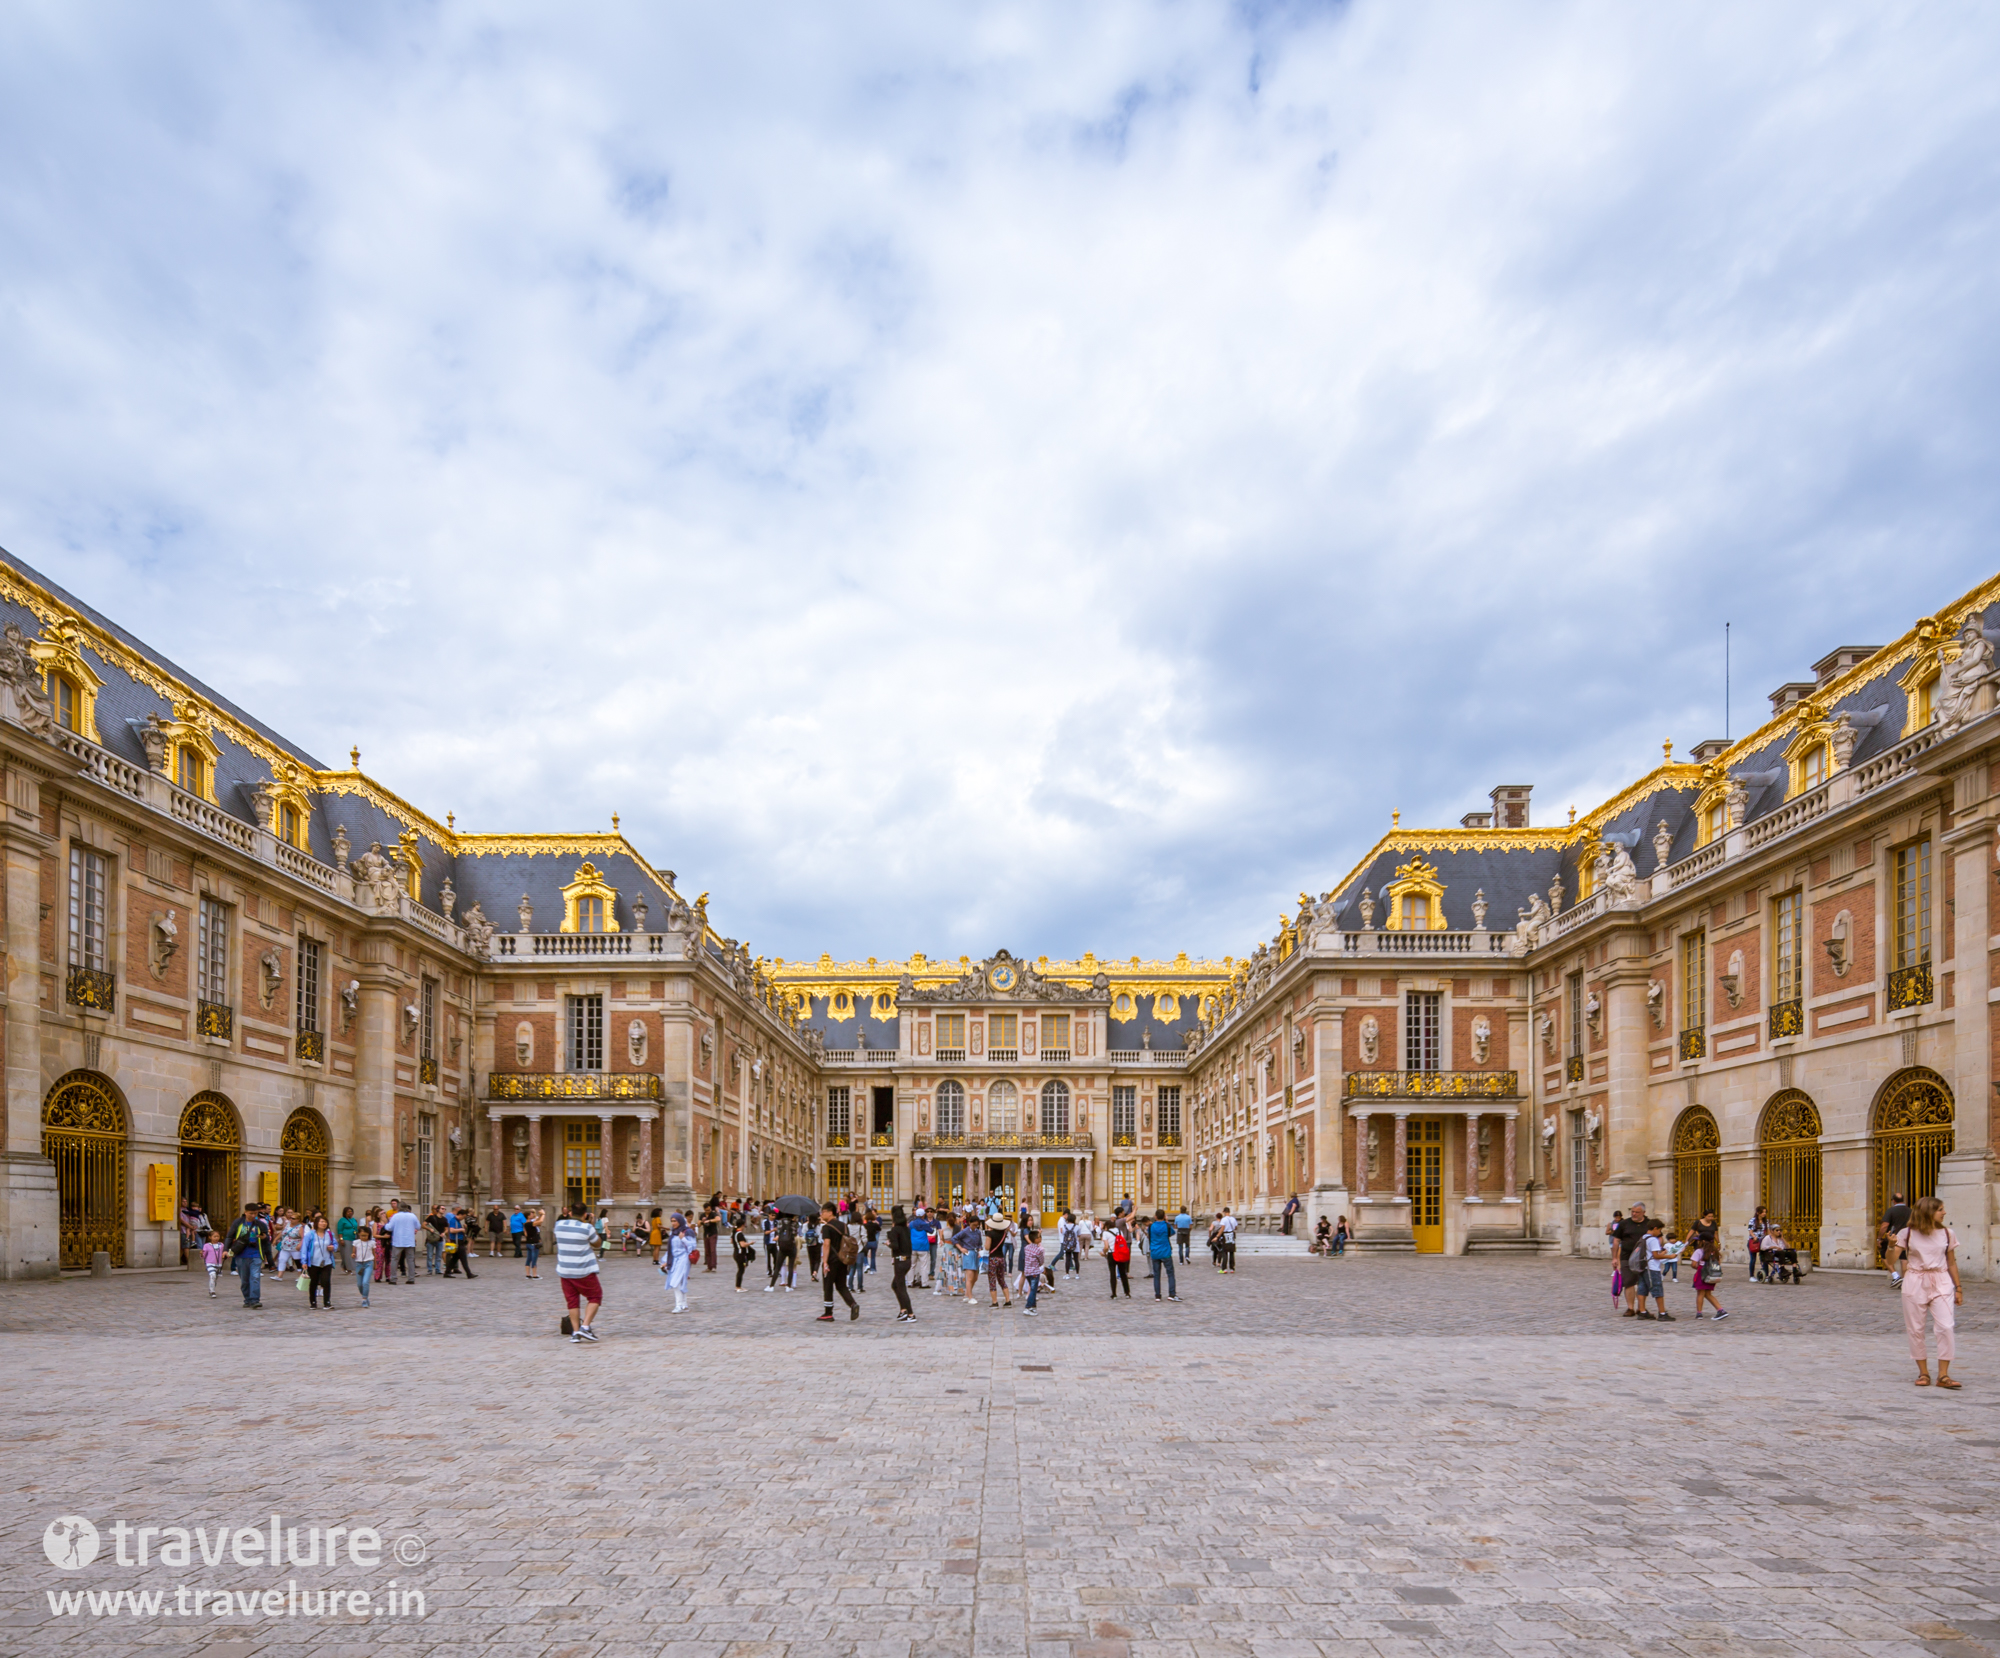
(645, 1133)
(378, 1166)
(1965, 1178)
(1513, 1121)
(1472, 1154)
(30, 1217)
(1627, 1030)
(1402, 1147)
(496, 1128)
(535, 1191)
(1360, 1120)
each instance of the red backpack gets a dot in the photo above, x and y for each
(1121, 1247)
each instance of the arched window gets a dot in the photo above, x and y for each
(304, 1149)
(1915, 1128)
(191, 769)
(951, 1108)
(1055, 1108)
(1003, 1109)
(83, 1134)
(1697, 1150)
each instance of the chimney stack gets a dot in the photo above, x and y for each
(1510, 805)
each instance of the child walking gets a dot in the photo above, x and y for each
(364, 1260)
(1707, 1274)
(213, 1255)
(1032, 1262)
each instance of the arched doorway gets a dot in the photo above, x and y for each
(83, 1134)
(211, 1158)
(1697, 1149)
(303, 1151)
(1789, 1139)
(1913, 1134)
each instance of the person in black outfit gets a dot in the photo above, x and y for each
(833, 1270)
(901, 1249)
(1625, 1238)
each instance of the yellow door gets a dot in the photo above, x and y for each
(1055, 1193)
(1424, 1146)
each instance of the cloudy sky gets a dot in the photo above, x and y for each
(960, 476)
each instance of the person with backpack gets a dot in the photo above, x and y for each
(1707, 1273)
(246, 1249)
(1184, 1234)
(994, 1249)
(1118, 1257)
(840, 1251)
(1652, 1271)
(457, 1245)
(743, 1250)
(1625, 1231)
(1032, 1264)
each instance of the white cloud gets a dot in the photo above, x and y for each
(1008, 475)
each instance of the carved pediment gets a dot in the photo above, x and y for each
(1003, 976)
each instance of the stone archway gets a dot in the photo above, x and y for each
(305, 1150)
(1789, 1177)
(1697, 1153)
(211, 1160)
(1914, 1129)
(84, 1134)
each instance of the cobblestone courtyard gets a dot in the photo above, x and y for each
(1376, 1455)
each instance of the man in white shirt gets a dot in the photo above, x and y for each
(1228, 1241)
(402, 1239)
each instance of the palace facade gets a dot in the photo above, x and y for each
(1762, 974)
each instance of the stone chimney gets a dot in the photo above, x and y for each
(1786, 695)
(1836, 663)
(1707, 749)
(1476, 820)
(1510, 805)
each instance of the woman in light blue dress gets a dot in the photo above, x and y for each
(674, 1260)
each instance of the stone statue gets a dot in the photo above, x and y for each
(1549, 1146)
(1840, 741)
(1367, 909)
(638, 912)
(1593, 1121)
(33, 706)
(1656, 1003)
(1732, 981)
(1371, 1040)
(479, 930)
(524, 1044)
(1663, 846)
(154, 738)
(371, 869)
(166, 940)
(1482, 1039)
(1556, 894)
(1600, 867)
(1485, 1146)
(525, 910)
(340, 845)
(272, 966)
(1593, 1014)
(1621, 878)
(412, 1017)
(1479, 910)
(350, 994)
(1959, 682)
(635, 1041)
(1374, 1151)
(1736, 803)
(447, 898)
(1547, 1027)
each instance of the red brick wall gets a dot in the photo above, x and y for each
(1859, 902)
(142, 909)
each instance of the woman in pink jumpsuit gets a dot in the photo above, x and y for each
(1928, 1251)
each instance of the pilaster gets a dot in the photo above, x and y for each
(30, 1216)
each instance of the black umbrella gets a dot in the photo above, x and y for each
(796, 1205)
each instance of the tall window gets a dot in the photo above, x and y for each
(86, 909)
(951, 1107)
(291, 828)
(428, 1006)
(1170, 1116)
(1913, 903)
(1003, 1109)
(1812, 767)
(63, 695)
(211, 953)
(309, 949)
(188, 768)
(1575, 1010)
(1420, 1030)
(1055, 1032)
(1055, 1108)
(951, 1035)
(1003, 1039)
(1416, 912)
(1125, 1115)
(1694, 981)
(590, 915)
(586, 1033)
(1788, 946)
(839, 1117)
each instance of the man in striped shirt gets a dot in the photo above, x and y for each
(576, 1265)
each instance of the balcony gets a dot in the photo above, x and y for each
(951, 1056)
(838, 1141)
(1125, 1139)
(1694, 1044)
(95, 990)
(1573, 1068)
(427, 1071)
(1003, 1056)
(1002, 1142)
(572, 1085)
(214, 1019)
(1788, 1018)
(1433, 1085)
(1169, 1139)
(1395, 942)
(861, 1056)
(1910, 986)
(311, 1046)
(886, 1140)
(1055, 1056)
(1146, 1056)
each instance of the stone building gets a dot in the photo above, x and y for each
(1748, 978)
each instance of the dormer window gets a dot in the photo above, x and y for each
(291, 827)
(1812, 767)
(590, 915)
(590, 905)
(1416, 916)
(190, 770)
(63, 696)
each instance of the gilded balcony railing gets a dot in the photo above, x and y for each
(312, 1046)
(1168, 1140)
(1480, 1085)
(838, 1141)
(427, 1070)
(1910, 986)
(1573, 1068)
(1694, 1044)
(93, 988)
(575, 1085)
(1002, 1142)
(214, 1019)
(882, 1139)
(1788, 1018)
(1124, 1139)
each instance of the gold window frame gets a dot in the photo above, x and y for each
(588, 883)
